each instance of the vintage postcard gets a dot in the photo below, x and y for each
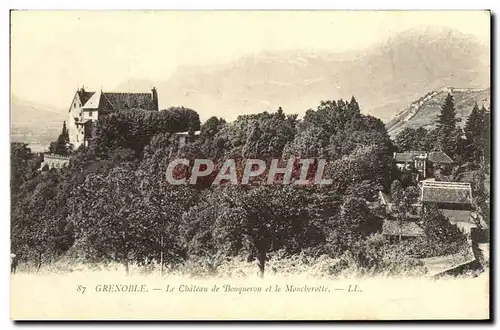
(250, 165)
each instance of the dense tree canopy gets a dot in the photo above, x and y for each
(114, 201)
(133, 129)
(410, 139)
(477, 133)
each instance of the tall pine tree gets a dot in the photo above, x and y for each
(474, 134)
(485, 134)
(449, 135)
(61, 146)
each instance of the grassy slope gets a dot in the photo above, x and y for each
(427, 112)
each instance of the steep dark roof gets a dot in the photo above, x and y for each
(122, 101)
(406, 228)
(84, 96)
(446, 192)
(440, 157)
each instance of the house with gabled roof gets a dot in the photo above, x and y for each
(86, 107)
(447, 195)
(453, 199)
(423, 162)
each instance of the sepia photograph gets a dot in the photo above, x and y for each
(250, 165)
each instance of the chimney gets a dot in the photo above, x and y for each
(155, 98)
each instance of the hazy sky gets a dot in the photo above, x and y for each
(55, 52)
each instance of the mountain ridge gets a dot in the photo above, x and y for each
(384, 77)
(424, 111)
(35, 124)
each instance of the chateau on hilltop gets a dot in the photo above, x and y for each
(88, 106)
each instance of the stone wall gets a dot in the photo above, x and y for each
(54, 161)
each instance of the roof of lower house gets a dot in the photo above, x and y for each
(433, 156)
(440, 157)
(446, 192)
(458, 216)
(407, 156)
(405, 228)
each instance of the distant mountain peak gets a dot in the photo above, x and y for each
(434, 32)
(384, 79)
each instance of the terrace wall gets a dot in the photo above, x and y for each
(54, 161)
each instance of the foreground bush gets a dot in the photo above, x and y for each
(348, 265)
